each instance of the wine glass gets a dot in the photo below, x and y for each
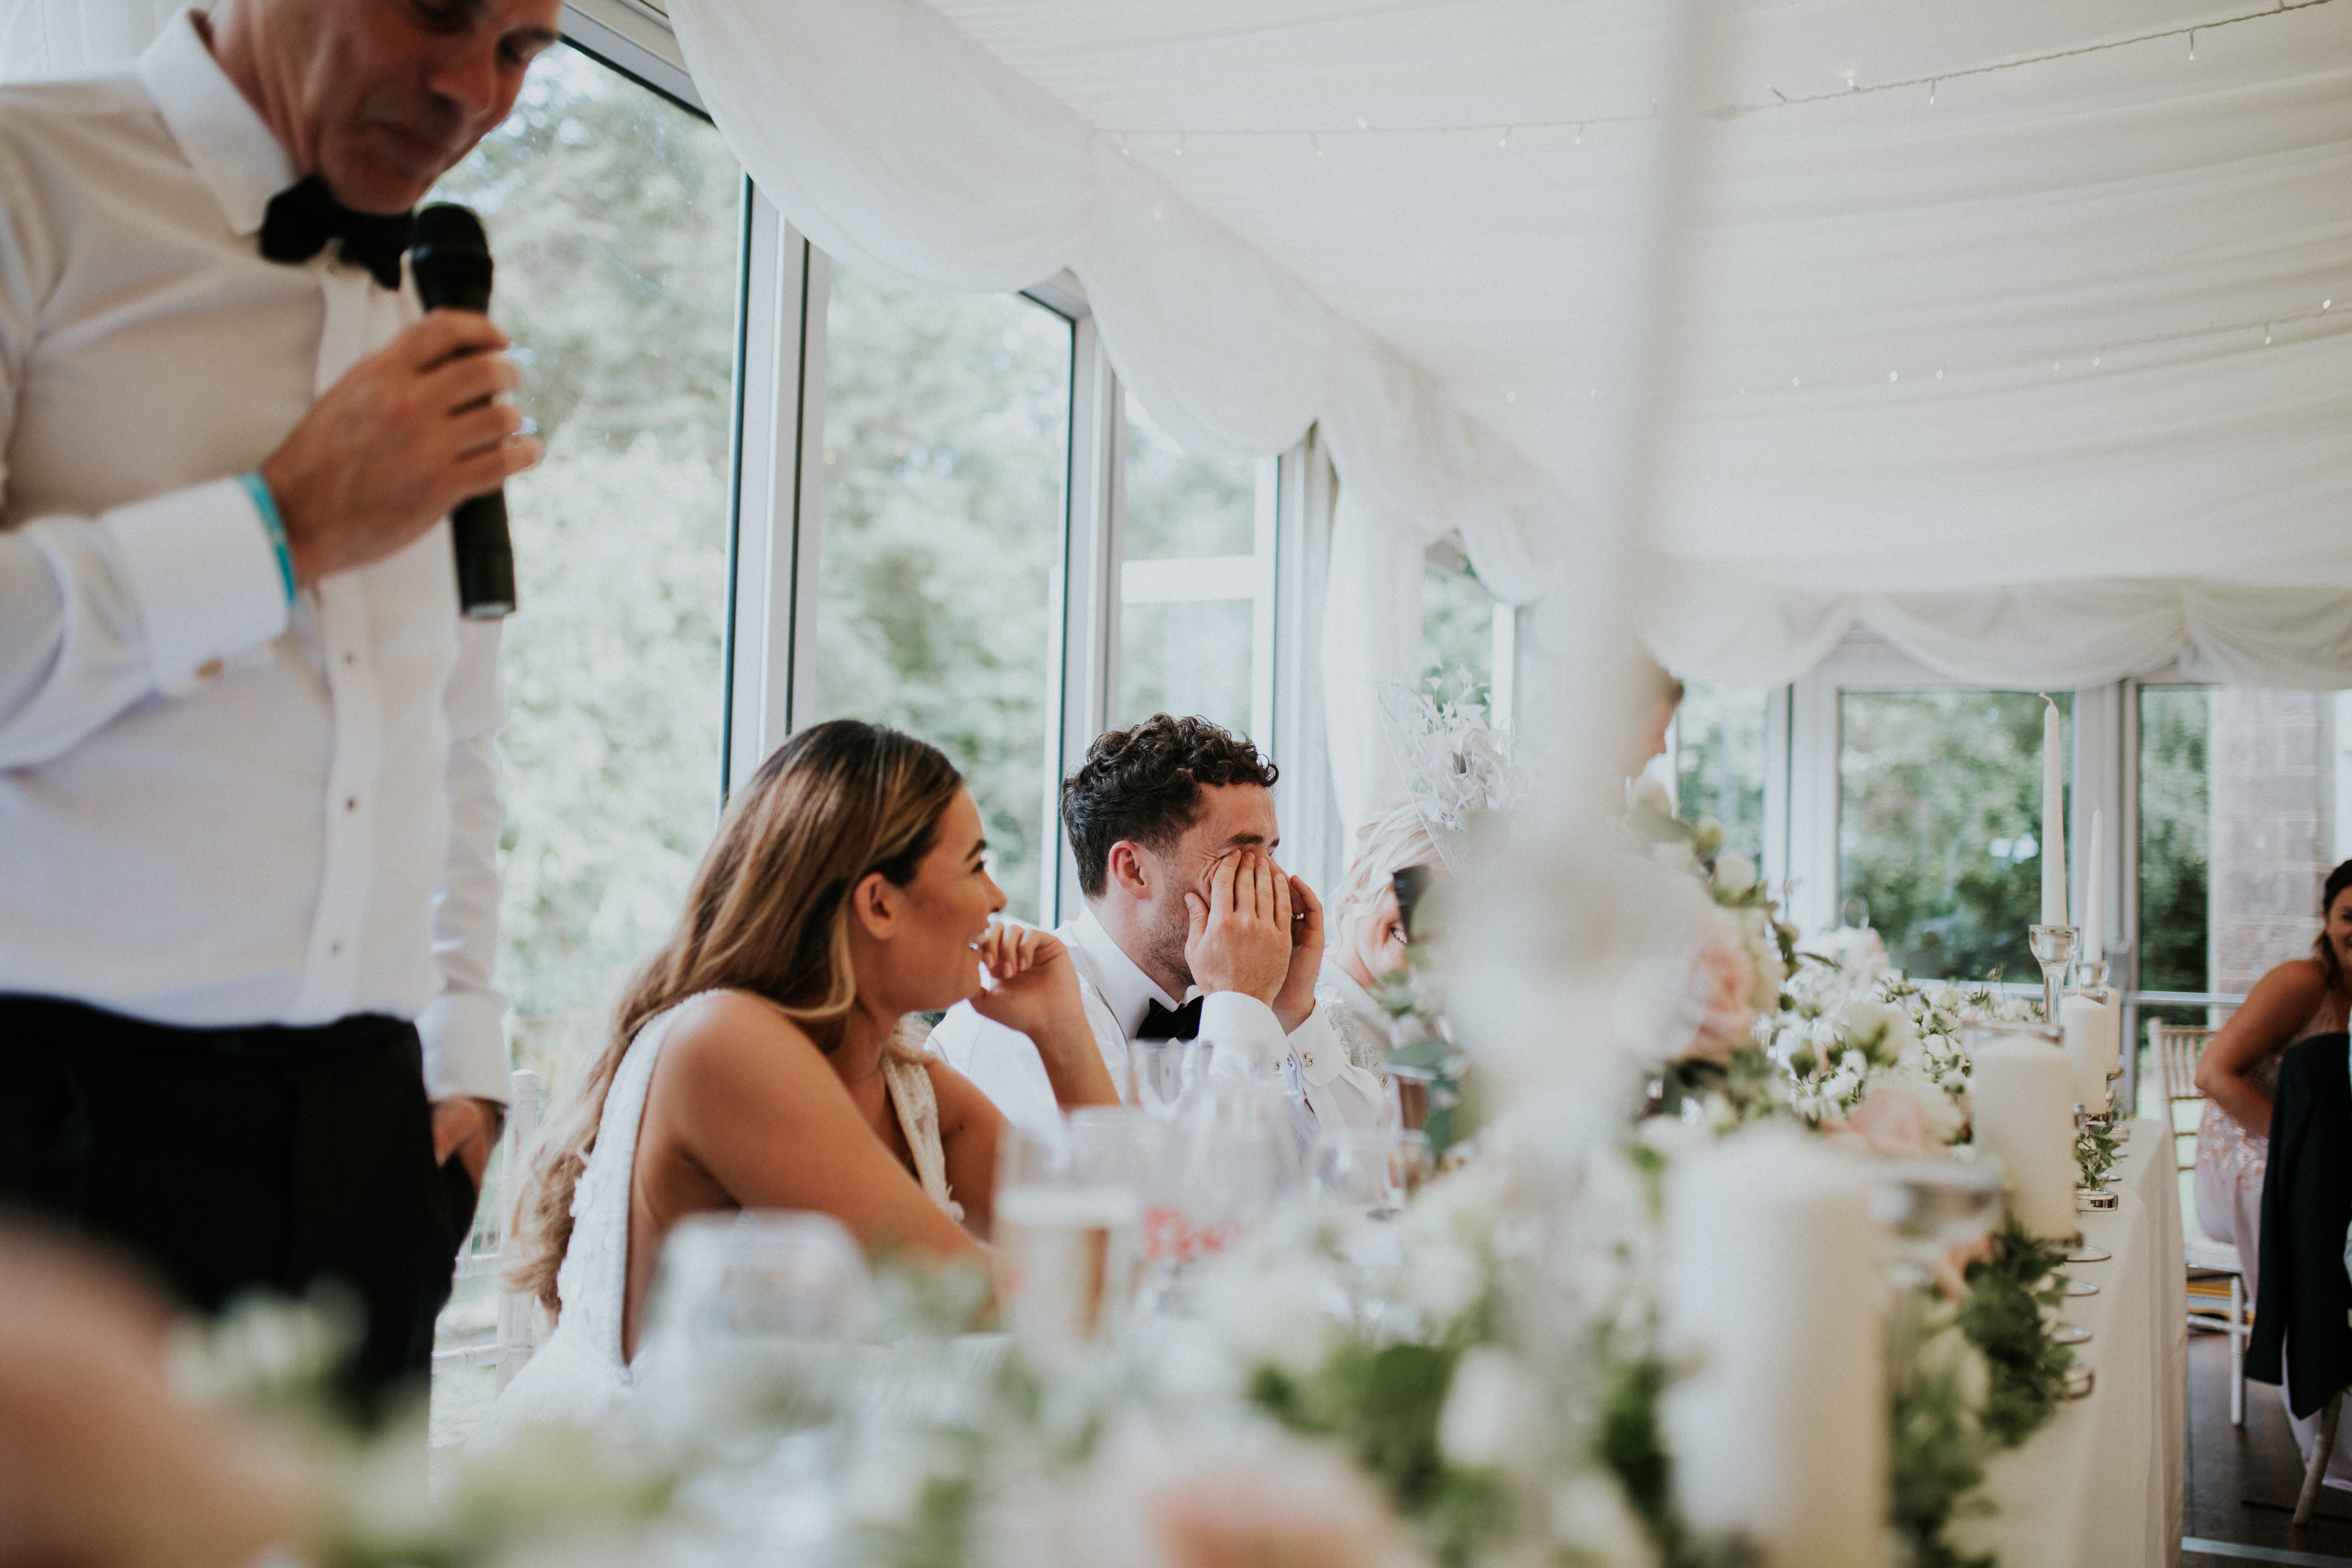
(1164, 1071)
(1928, 1207)
(1360, 1170)
(1232, 1155)
(1068, 1233)
(749, 1319)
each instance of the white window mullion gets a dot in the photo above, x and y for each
(1088, 639)
(771, 410)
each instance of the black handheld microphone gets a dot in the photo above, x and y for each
(449, 257)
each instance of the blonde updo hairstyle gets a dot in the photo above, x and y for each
(768, 913)
(1397, 840)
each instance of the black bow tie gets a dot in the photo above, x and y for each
(304, 215)
(1162, 1023)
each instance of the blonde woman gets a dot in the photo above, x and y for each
(1368, 929)
(757, 1060)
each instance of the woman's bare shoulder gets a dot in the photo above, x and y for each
(2298, 979)
(725, 1036)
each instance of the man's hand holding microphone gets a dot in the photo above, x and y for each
(409, 435)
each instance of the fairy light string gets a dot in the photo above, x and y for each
(1504, 131)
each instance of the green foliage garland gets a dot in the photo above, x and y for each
(2003, 1318)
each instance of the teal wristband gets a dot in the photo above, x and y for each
(267, 505)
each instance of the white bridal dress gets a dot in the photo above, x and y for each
(578, 1376)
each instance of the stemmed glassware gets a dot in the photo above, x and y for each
(1068, 1233)
(750, 1355)
(1164, 1071)
(1929, 1209)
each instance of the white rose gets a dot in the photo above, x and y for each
(1591, 1517)
(1443, 1279)
(1490, 1414)
(1272, 1312)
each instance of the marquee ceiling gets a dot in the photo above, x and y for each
(1979, 297)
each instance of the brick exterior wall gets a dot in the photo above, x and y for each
(2270, 757)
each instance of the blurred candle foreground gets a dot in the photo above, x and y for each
(1773, 1292)
(2053, 818)
(2023, 1094)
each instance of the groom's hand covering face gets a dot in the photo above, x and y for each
(1250, 925)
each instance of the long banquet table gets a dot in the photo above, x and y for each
(2101, 1484)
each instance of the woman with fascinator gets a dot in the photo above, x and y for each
(1396, 857)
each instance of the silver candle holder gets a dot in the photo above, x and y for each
(2091, 980)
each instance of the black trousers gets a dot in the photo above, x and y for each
(227, 1161)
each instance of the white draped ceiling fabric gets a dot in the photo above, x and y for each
(2019, 331)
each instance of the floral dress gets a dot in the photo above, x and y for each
(2230, 1158)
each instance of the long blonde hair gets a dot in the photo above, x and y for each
(768, 913)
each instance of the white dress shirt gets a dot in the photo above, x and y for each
(1117, 995)
(215, 809)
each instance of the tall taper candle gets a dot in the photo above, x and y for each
(1769, 1252)
(2053, 818)
(2093, 949)
(2022, 1096)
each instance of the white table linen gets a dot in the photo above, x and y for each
(2100, 1486)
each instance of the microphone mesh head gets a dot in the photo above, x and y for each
(444, 226)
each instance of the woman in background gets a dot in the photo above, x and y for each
(2300, 998)
(757, 1062)
(1369, 929)
(2237, 1076)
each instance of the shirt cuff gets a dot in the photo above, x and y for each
(204, 576)
(465, 1049)
(1237, 1021)
(1321, 1052)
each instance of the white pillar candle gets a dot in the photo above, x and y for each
(2094, 899)
(2022, 1097)
(2087, 1050)
(2053, 818)
(1769, 1252)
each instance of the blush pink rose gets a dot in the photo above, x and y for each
(1893, 1122)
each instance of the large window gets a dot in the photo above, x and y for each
(1718, 758)
(1939, 816)
(613, 215)
(946, 446)
(1457, 629)
(2175, 835)
(1196, 589)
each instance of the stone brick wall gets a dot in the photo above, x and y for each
(2270, 756)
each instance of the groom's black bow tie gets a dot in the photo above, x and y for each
(303, 216)
(1162, 1023)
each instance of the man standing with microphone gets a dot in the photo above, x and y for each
(249, 812)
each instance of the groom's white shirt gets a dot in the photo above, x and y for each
(1117, 993)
